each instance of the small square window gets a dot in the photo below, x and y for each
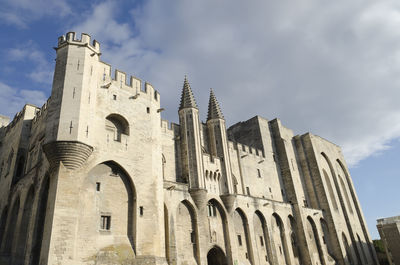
(97, 186)
(105, 222)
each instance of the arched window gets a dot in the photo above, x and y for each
(346, 195)
(330, 189)
(117, 125)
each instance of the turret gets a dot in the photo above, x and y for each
(68, 127)
(191, 151)
(219, 146)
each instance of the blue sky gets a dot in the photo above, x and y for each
(328, 67)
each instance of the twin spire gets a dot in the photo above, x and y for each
(188, 101)
(187, 98)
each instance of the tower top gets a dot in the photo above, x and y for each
(187, 98)
(214, 111)
(85, 40)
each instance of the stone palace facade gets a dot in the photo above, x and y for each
(95, 176)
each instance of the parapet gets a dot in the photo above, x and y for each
(85, 40)
(245, 149)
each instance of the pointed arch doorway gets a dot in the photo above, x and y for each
(216, 256)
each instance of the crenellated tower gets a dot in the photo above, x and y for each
(219, 146)
(69, 119)
(191, 151)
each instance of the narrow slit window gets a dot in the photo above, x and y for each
(141, 210)
(239, 237)
(261, 241)
(97, 186)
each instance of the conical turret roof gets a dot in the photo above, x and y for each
(187, 98)
(214, 111)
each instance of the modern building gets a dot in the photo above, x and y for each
(95, 176)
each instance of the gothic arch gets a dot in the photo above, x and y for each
(349, 255)
(282, 252)
(218, 226)
(358, 211)
(118, 125)
(11, 226)
(360, 244)
(187, 233)
(328, 239)
(107, 187)
(241, 226)
(41, 211)
(314, 239)
(262, 239)
(330, 189)
(216, 256)
(25, 221)
(294, 239)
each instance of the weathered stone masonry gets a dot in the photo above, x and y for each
(95, 176)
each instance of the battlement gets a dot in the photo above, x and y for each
(85, 40)
(133, 84)
(247, 150)
(40, 112)
(169, 127)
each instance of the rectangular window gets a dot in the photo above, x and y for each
(248, 190)
(114, 97)
(239, 240)
(148, 110)
(98, 186)
(105, 222)
(258, 173)
(212, 210)
(261, 241)
(247, 255)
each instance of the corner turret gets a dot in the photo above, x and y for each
(214, 111)
(191, 151)
(219, 147)
(72, 103)
(187, 98)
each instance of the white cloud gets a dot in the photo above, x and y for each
(12, 100)
(331, 68)
(42, 71)
(21, 12)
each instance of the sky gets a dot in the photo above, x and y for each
(327, 67)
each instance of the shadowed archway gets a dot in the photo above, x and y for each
(216, 256)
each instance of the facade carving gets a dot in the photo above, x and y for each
(95, 176)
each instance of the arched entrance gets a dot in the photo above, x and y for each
(216, 257)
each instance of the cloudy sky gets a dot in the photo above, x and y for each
(328, 67)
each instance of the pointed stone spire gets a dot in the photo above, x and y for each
(187, 98)
(214, 111)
